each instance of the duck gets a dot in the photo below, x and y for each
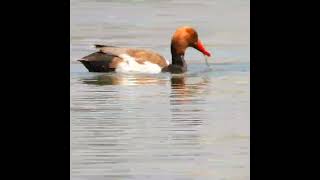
(121, 59)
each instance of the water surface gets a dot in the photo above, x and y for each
(162, 126)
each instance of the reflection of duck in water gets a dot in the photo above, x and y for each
(177, 81)
(183, 92)
(186, 99)
(124, 79)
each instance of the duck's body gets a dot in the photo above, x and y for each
(111, 58)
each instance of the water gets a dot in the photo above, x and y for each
(181, 127)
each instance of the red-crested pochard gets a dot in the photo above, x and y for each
(111, 58)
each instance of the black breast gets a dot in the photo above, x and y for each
(175, 69)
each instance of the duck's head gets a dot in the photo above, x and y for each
(185, 37)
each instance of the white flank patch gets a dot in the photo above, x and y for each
(167, 61)
(131, 65)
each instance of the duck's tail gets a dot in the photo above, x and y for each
(97, 62)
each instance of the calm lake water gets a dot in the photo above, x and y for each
(161, 127)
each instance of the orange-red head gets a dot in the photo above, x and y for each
(185, 37)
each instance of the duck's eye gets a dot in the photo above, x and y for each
(195, 44)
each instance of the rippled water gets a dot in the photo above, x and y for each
(163, 126)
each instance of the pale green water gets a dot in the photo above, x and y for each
(194, 126)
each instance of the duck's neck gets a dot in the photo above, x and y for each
(178, 58)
